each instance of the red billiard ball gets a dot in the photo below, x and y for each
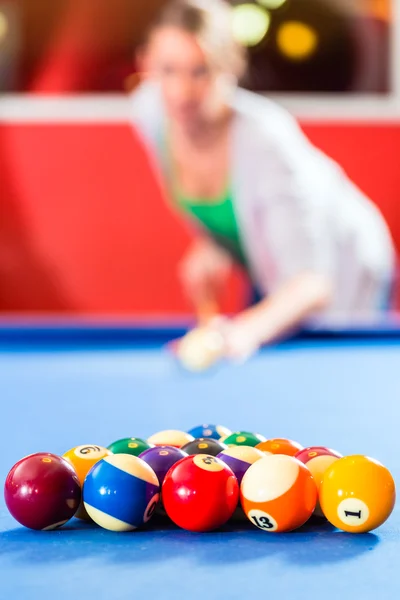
(200, 493)
(42, 491)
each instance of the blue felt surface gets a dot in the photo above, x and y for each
(344, 395)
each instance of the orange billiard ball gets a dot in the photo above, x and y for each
(278, 493)
(83, 458)
(318, 459)
(357, 494)
(280, 446)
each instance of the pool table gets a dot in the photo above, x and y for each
(80, 383)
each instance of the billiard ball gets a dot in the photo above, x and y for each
(134, 446)
(357, 494)
(170, 437)
(200, 493)
(318, 459)
(243, 438)
(120, 492)
(216, 432)
(82, 458)
(200, 349)
(42, 491)
(280, 446)
(161, 459)
(240, 458)
(278, 493)
(204, 446)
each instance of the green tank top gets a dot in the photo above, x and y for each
(217, 215)
(218, 218)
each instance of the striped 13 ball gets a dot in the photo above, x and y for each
(278, 493)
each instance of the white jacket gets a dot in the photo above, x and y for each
(296, 208)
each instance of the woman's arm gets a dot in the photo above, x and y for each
(276, 316)
(266, 322)
(204, 272)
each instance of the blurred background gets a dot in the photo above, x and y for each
(83, 224)
(70, 46)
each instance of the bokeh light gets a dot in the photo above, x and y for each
(3, 26)
(296, 40)
(380, 9)
(250, 24)
(272, 4)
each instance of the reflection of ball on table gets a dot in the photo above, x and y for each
(200, 349)
(357, 494)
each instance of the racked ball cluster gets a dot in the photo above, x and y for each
(201, 480)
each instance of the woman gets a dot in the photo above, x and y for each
(260, 194)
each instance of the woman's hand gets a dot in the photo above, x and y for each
(268, 321)
(204, 272)
(220, 339)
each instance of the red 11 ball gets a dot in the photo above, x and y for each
(42, 491)
(200, 493)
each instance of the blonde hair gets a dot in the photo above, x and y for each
(210, 21)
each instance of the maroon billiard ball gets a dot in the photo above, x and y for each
(42, 491)
(200, 493)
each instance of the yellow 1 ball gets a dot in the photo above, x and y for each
(357, 494)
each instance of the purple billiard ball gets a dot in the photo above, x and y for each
(240, 458)
(42, 491)
(161, 459)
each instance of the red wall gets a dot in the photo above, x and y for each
(84, 226)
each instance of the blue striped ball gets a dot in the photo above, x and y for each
(214, 432)
(120, 492)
